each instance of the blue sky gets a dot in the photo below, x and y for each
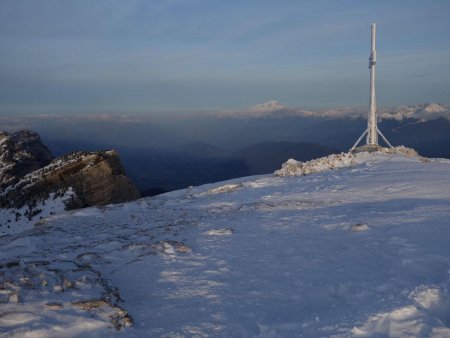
(65, 56)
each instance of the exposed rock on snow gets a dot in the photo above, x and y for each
(359, 227)
(172, 247)
(224, 188)
(400, 150)
(62, 281)
(295, 168)
(334, 161)
(119, 317)
(219, 232)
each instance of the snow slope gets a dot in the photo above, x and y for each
(358, 251)
(15, 220)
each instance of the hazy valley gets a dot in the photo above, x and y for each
(172, 152)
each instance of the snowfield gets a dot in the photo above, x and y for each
(362, 250)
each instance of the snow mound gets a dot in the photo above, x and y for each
(342, 160)
(411, 320)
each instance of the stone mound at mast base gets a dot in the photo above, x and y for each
(358, 155)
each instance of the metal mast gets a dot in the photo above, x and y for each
(372, 130)
(372, 135)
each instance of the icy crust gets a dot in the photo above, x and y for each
(335, 161)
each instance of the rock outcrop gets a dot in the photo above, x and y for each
(21, 153)
(96, 178)
(335, 161)
(33, 184)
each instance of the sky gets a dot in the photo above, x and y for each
(84, 56)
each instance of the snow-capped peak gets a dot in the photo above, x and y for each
(273, 108)
(269, 106)
(434, 108)
(423, 112)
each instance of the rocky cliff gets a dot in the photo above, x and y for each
(31, 186)
(20, 154)
(95, 178)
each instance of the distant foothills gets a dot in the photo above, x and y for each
(163, 153)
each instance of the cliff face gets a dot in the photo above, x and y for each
(94, 178)
(32, 185)
(20, 154)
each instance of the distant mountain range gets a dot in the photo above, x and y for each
(274, 109)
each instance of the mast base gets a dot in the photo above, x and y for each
(371, 147)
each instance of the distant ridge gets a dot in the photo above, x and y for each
(274, 109)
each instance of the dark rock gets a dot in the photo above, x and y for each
(21, 153)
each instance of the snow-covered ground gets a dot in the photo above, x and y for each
(358, 251)
(16, 220)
